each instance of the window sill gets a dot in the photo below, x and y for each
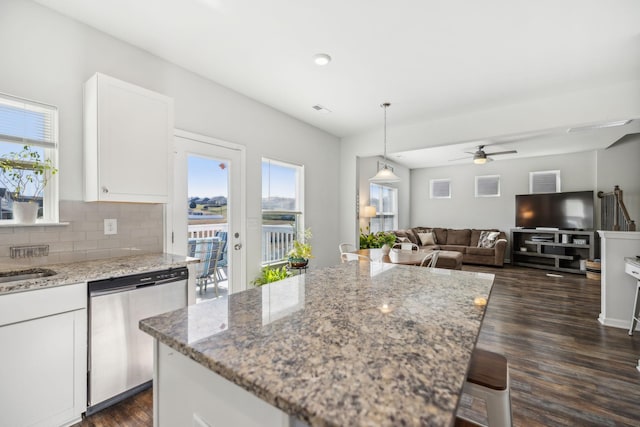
(9, 224)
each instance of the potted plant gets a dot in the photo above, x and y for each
(381, 239)
(301, 252)
(25, 175)
(270, 274)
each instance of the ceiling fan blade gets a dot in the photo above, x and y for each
(502, 152)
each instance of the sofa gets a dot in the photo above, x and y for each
(484, 247)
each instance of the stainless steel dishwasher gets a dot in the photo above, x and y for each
(120, 358)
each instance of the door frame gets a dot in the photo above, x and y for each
(239, 281)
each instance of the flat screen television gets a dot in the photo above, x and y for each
(565, 211)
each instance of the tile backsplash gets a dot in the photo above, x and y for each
(140, 230)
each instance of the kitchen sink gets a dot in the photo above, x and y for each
(32, 273)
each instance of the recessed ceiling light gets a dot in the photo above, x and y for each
(321, 59)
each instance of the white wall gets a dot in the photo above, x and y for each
(464, 210)
(47, 57)
(592, 170)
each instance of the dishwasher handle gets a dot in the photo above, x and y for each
(97, 293)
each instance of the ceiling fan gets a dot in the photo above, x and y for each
(480, 157)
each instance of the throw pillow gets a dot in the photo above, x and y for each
(403, 240)
(488, 239)
(427, 239)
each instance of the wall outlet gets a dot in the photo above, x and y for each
(110, 226)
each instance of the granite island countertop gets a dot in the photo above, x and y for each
(355, 344)
(81, 271)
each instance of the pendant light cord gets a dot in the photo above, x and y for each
(385, 105)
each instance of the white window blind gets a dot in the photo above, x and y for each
(440, 188)
(544, 182)
(33, 124)
(488, 186)
(27, 122)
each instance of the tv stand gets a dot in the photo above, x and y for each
(556, 250)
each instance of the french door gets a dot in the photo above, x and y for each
(208, 201)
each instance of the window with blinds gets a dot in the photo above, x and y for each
(544, 182)
(440, 188)
(488, 186)
(31, 124)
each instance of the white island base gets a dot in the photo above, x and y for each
(617, 287)
(187, 394)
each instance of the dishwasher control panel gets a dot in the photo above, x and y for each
(138, 280)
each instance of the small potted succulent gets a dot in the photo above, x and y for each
(301, 252)
(25, 174)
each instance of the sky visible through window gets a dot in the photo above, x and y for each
(278, 181)
(209, 178)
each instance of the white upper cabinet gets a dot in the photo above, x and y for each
(127, 135)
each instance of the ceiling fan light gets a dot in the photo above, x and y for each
(479, 160)
(384, 175)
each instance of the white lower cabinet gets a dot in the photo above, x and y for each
(43, 336)
(188, 394)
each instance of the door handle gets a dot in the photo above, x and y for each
(237, 246)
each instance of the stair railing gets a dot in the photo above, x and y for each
(614, 215)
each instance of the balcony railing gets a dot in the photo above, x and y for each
(277, 240)
(199, 231)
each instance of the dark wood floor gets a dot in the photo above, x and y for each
(137, 411)
(566, 369)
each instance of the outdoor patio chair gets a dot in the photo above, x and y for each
(207, 251)
(222, 258)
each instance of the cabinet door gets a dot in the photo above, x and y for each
(128, 130)
(43, 377)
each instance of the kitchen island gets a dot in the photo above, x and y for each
(354, 344)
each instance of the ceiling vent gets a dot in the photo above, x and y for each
(320, 108)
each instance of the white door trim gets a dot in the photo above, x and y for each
(241, 282)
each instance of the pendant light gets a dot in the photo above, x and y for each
(385, 175)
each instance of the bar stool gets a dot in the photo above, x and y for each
(488, 379)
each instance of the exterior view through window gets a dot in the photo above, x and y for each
(208, 191)
(28, 154)
(385, 199)
(282, 202)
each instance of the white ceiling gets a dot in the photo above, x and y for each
(429, 58)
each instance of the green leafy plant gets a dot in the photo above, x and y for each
(302, 247)
(25, 172)
(376, 240)
(270, 274)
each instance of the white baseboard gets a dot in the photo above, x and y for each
(617, 323)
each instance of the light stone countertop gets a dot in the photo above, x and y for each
(81, 271)
(355, 344)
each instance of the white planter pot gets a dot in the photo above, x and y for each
(25, 212)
